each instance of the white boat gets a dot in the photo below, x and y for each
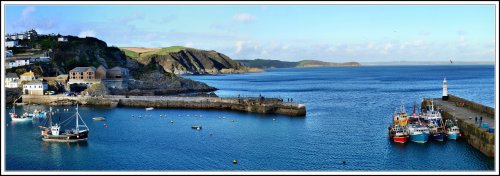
(17, 118)
(99, 118)
(53, 133)
(149, 109)
(432, 114)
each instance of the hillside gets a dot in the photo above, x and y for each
(184, 60)
(83, 52)
(263, 63)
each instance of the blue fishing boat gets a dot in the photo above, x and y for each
(418, 133)
(452, 130)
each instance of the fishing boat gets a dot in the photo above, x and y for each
(452, 130)
(432, 114)
(53, 133)
(417, 128)
(17, 118)
(149, 109)
(397, 131)
(437, 132)
(418, 133)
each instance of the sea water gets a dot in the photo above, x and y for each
(348, 111)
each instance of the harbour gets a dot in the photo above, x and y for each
(260, 105)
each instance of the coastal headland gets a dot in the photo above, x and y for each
(259, 105)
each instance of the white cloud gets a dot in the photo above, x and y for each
(87, 33)
(239, 46)
(189, 44)
(27, 11)
(243, 17)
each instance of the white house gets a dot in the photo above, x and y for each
(35, 88)
(11, 80)
(62, 39)
(12, 43)
(22, 61)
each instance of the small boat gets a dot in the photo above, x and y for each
(17, 118)
(20, 104)
(452, 130)
(52, 133)
(197, 127)
(149, 109)
(99, 118)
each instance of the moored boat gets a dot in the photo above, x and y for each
(17, 118)
(452, 130)
(149, 109)
(52, 133)
(418, 133)
(397, 131)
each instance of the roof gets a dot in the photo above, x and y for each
(82, 69)
(63, 76)
(117, 68)
(34, 83)
(49, 78)
(28, 74)
(101, 68)
(11, 75)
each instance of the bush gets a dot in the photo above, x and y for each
(96, 89)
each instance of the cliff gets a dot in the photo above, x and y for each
(263, 63)
(183, 60)
(89, 51)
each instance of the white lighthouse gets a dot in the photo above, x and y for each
(445, 90)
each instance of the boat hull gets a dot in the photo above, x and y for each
(22, 119)
(453, 136)
(400, 139)
(438, 137)
(80, 137)
(419, 138)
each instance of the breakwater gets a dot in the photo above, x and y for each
(252, 105)
(465, 112)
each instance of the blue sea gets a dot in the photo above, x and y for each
(348, 111)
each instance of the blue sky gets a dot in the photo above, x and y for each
(336, 33)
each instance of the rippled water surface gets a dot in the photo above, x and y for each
(348, 110)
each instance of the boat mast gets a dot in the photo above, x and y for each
(76, 119)
(50, 117)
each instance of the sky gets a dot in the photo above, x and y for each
(334, 33)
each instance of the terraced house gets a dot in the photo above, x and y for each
(83, 76)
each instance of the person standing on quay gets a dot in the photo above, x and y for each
(480, 121)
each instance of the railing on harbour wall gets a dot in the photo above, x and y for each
(471, 105)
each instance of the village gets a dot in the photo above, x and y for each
(74, 83)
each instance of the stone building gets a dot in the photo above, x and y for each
(100, 73)
(81, 78)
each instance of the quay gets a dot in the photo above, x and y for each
(253, 105)
(465, 111)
